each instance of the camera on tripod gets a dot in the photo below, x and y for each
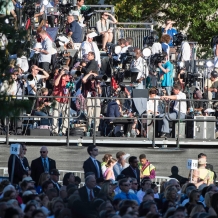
(156, 59)
(178, 39)
(65, 8)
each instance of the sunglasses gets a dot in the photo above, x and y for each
(42, 152)
(95, 149)
(126, 185)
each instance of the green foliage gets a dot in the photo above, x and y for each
(200, 16)
(10, 107)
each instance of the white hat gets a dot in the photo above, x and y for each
(92, 35)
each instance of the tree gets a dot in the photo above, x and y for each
(200, 17)
(17, 39)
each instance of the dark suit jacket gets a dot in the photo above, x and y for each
(19, 171)
(129, 172)
(89, 166)
(91, 65)
(58, 189)
(37, 168)
(84, 194)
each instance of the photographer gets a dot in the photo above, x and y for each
(45, 51)
(92, 65)
(42, 107)
(104, 29)
(34, 79)
(214, 86)
(61, 106)
(138, 63)
(166, 74)
(92, 88)
(177, 111)
(209, 83)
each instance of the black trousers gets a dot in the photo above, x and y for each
(44, 66)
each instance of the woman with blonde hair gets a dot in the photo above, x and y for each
(109, 173)
(106, 192)
(105, 160)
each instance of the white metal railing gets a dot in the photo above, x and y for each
(157, 180)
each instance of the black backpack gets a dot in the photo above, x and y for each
(214, 41)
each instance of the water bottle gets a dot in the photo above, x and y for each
(128, 134)
(191, 110)
(35, 125)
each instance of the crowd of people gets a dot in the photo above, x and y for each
(121, 186)
(55, 74)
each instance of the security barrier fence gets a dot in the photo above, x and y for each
(149, 121)
(158, 179)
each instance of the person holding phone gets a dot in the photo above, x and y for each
(104, 29)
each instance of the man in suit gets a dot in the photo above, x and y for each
(19, 168)
(132, 170)
(54, 177)
(91, 164)
(43, 164)
(88, 192)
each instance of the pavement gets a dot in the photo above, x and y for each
(71, 158)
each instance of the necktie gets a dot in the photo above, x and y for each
(57, 186)
(45, 166)
(92, 47)
(97, 168)
(91, 195)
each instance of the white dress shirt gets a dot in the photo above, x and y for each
(183, 107)
(91, 46)
(185, 51)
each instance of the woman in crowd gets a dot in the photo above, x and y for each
(104, 29)
(105, 160)
(106, 191)
(30, 207)
(69, 179)
(109, 173)
(171, 195)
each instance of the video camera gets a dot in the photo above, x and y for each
(156, 59)
(87, 13)
(65, 8)
(178, 39)
(62, 58)
(30, 9)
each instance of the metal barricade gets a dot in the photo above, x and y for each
(76, 173)
(137, 31)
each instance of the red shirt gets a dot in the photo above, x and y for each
(60, 89)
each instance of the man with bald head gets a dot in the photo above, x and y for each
(43, 164)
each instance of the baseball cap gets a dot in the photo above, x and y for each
(55, 172)
(28, 179)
